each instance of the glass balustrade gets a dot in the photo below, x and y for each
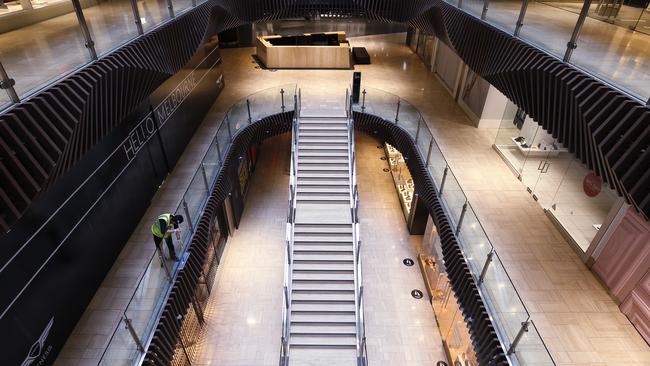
(139, 319)
(44, 40)
(511, 318)
(611, 44)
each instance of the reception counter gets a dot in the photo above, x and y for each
(307, 51)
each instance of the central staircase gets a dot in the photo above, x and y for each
(323, 314)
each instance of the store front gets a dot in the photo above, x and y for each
(414, 211)
(451, 323)
(572, 195)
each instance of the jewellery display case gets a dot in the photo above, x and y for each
(453, 329)
(414, 212)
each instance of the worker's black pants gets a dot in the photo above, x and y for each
(170, 244)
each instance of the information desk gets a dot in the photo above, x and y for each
(307, 51)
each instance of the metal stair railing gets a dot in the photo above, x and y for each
(291, 217)
(362, 357)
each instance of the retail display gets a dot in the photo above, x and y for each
(454, 330)
(415, 213)
(401, 177)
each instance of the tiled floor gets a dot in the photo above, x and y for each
(400, 329)
(577, 319)
(244, 313)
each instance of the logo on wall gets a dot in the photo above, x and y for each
(38, 349)
(592, 185)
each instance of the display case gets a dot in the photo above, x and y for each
(401, 177)
(414, 212)
(7, 7)
(453, 329)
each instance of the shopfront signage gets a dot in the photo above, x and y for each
(592, 185)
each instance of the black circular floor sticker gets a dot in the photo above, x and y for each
(383, 158)
(417, 294)
(386, 170)
(408, 262)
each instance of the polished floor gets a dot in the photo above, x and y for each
(244, 313)
(580, 323)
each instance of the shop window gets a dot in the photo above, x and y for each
(453, 329)
(562, 185)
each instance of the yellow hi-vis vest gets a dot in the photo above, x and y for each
(155, 228)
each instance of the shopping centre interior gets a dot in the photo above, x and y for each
(424, 183)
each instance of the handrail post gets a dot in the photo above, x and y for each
(90, 44)
(134, 335)
(399, 101)
(187, 214)
(488, 260)
(248, 107)
(417, 132)
(170, 7)
(572, 45)
(515, 342)
(136, 16)
(462, 216)
(363, 100)
(444, 179)
(228, 125)
(205, 177)
(520, 20)
(429, 152)
(282, 97)
(7, 84)
(218, 150)
(486, 4)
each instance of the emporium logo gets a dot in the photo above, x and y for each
(38, 352)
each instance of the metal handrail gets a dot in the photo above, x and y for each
(291, 218)
(356, 243)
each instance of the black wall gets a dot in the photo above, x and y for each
(56, 256)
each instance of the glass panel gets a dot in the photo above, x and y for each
(5, 101)
(414, 40)
(181, 5)
(533, 159)
(195, 197)
(437, 164)
(555, 164)
(507, 140)
(581, 207)
(428, 53)
(152, 12)
(474, 7)
(504, 13)
(408, 118)
(508, 310)
(549, 26)
(111, 23)
(615, 52)
(41, 51)
(531, 350)
(476, 245)
(421, 45)
(453, 196)
(643, 25)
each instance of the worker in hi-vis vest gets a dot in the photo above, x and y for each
(162, 228)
